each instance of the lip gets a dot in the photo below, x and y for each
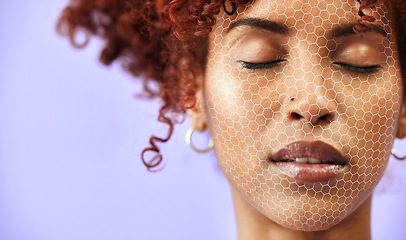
(331, 161)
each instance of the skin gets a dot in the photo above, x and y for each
(263, 88)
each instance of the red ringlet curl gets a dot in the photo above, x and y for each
(365, 21)
(157, 40)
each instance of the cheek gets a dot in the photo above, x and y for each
(242, 109)
(373, 110)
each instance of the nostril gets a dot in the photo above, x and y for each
(296, 116)
(325, 118)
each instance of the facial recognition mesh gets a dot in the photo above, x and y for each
(302, 110)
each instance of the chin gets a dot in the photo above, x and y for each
(306, 214)
(312, 223)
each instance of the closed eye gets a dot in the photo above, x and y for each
(261, 65)
(360, 69)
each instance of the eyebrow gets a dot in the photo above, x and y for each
(283, 29)
(345, 30)
(265, 24)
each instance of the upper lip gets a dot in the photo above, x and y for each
(326, 153)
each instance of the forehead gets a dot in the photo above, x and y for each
(280, 6)
(314, 12)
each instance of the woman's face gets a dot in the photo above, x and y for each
(303, 111)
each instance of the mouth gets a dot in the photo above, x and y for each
(309, 161)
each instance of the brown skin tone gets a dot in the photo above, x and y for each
(337, 103)
(251, 224)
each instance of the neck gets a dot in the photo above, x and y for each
(252, 224)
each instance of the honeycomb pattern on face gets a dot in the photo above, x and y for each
(283, 71)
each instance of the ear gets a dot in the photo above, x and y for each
(402, 122)
(401, 133)
(197, 116)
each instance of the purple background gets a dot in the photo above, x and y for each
(71, 133)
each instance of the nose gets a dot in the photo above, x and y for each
(315, 108)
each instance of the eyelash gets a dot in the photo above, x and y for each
(269, 65)
(363, 70)
(262, 65)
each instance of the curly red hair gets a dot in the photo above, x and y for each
(156, 40)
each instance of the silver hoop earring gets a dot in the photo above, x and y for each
(188, 140)
(397, 157)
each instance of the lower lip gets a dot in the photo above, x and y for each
(309, 172)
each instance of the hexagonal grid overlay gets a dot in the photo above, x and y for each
(284, 71)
